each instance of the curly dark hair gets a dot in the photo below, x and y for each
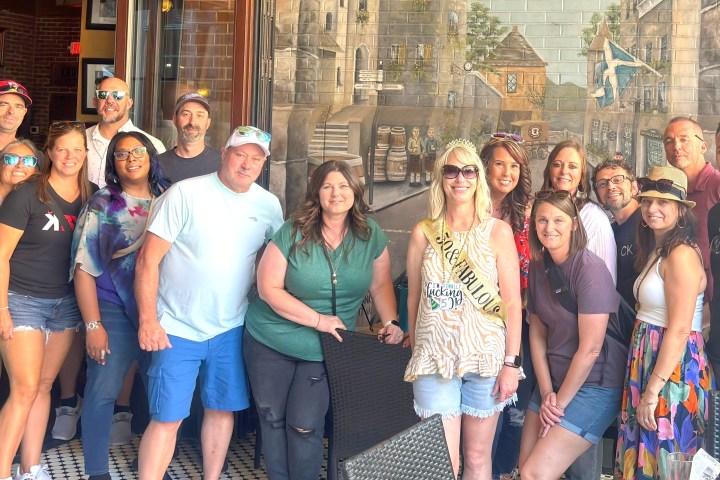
(515, 204)
(307, 217)
(155, 178)
(687, 235)
(614, 164)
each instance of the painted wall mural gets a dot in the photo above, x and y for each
(386, 84)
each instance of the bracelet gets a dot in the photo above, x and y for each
(648, 403)
(90, 326)
(318, 322)
(4, 308)
(391, 322)
(664, 380)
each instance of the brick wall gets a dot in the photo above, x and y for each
(33, 47)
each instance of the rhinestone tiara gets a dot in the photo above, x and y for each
(461, 142)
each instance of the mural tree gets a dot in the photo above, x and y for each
(483, 35)
(612, 17)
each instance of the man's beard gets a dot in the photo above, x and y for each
(189, 137)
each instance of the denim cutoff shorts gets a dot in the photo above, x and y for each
(590, 412)
(450, 397)
(46, 314)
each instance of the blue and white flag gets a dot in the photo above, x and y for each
(618, 67)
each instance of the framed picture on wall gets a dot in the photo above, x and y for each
(94, 70)
(101, 14)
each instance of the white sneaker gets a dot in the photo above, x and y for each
(37, 472)
(66, 419)
(121, 431)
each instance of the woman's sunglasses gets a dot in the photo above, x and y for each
(249, 131)
(122, 155)
(452, 171)
(545, 194)
(508, 136)
(12, 159)
(662, 185)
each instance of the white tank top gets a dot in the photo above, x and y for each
(650, 292)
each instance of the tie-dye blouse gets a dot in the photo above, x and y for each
(110, 221)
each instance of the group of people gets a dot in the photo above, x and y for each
(512, 296)
(477, 299)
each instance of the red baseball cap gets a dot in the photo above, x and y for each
(11, 86)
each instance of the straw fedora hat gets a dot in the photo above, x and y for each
(665, 182)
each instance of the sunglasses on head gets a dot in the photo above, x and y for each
(662, 185)
(545, 194)
(67, 123)
(452, 171)
(115, 94)
(250, 131)
(508, 136)
(13, 87)
(122, 155)
(12, 159)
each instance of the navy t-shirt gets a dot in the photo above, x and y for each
(713, 343)
(625, 239)
(40, 264)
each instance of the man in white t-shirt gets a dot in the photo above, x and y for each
(113, 102)
(192, 279)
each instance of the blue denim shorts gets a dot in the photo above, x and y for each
(469, 395)
(220, 364)
(590, 412)
(46, 314)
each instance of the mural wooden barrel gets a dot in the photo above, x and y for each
(397, 138)
(383, 137)
(379, 173)
(313, 163)
(396, 166)
(355, 162)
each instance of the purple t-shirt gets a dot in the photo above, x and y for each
(593, 288)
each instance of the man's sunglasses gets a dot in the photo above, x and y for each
(250, 131)
(452, 171)
(13, 87)
(122, 155)
(662, 185)
(507, 136)
(115, 94)
(12, 159)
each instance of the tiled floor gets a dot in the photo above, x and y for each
(65, 461)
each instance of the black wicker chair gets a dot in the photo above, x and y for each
(712, 430)
(418, 453)
(370, 401)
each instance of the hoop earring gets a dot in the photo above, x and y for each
(643, 224)
(684, 223)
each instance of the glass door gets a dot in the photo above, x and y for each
(180, 46)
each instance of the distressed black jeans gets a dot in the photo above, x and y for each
(292, 398)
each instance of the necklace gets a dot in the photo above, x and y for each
(462, 248)
(333, 276)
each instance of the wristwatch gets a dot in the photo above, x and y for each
(391, 322)
(90, 326)
(514, 361)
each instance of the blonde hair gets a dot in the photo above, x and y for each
(464, 152)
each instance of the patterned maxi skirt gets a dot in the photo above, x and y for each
(681, 412)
